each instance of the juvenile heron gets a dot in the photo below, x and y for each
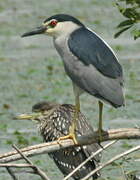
(54, 121)
(88, 60)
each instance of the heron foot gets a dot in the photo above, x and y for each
(72, 133)
(69, 136)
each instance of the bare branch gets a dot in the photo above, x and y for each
(35, 150)
(23, 156)
(88, 159)
(123, 133)
(111, 160)
(112, 134)
(35, 168)
(11, 173)
(16, 165)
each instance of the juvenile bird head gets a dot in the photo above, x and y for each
(56, 25)
(40, 111)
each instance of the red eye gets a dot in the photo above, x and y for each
(53, 23)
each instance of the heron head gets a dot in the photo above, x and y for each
(56, 25)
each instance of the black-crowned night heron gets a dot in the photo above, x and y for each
(88, 60)
(54, 121)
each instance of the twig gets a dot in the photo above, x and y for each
(35, 168)
(123, 173)
(88, 159)
(111, 160)
(22, 155)
(11, 173)
(16, 165)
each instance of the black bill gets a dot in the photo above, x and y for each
(38, 30)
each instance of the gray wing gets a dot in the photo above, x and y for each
(90, 49)
(96, 69)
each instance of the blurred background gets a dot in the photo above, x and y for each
(31, 71)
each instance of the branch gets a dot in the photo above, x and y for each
(114, 134)
(111, 160)
(88, 159)
(35, 168)
(35, 150)
(16, 165)
(11, 173)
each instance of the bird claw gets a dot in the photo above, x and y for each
(69, 136)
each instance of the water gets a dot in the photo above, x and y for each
(31, 70)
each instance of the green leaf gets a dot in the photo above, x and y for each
(121, 31)
(130, 13)
(136, 33)
(120, 8)
(125, 23)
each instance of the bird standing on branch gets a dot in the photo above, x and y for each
(54, 121)
(88, 60)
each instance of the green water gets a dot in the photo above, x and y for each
(31, 70)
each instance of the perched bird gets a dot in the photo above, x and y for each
(88, 60)
(54, 121)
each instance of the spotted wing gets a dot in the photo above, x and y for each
(69, 158)
(84, 127)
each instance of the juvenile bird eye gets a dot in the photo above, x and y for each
(53, 23)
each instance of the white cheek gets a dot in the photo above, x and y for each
(62, 28)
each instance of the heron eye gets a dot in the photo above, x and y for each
(53, 23)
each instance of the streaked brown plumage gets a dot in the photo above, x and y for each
(54, 123)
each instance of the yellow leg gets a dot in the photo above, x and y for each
(100, 120)
(73, 126)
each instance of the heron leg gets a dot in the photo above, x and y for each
(100, 130)
(72, 128)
